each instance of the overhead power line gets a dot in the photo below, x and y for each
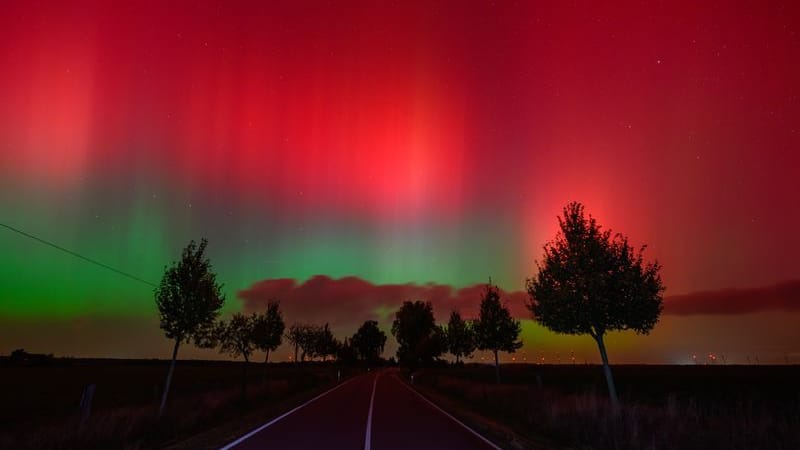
(77, 255)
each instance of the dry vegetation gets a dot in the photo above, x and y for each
(40, 408)
(664, 407)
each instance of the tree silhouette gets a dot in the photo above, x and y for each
(237, 338)
(369, 341)
(419, 339)
(591, 282)
(312, 341)
(268, 330)
(495, 329)
(460, 336)
(346, 353)
(188, 299)
(297, 335)
(308, 341)
(323, 343)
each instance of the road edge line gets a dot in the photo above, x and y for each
(368, 436)
(273, 421)
(463, 425)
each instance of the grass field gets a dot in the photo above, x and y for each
(40, 402)
(664, 407)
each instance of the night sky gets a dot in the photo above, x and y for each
(345, 157)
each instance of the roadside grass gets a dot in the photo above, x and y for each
(708, 410)
(206, 397)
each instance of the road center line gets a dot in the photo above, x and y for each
(273, 421)
(480, 436)
(368, 436)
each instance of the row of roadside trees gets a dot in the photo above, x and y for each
(421, 340)
(589, 281)
(189, 300)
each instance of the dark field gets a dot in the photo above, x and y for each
(563, 406)
(40, 402)
(664, 407)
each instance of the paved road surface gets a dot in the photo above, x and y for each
(375, 411)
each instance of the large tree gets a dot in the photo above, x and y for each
(416, 332)
(591, 281)
(236, 337)
(189, 300)
(268, 329)
(369, 341)
(460, 336)
(495, 329)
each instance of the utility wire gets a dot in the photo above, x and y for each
(77, 255)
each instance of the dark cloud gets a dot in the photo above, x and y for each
(347, 302)
(779, 297)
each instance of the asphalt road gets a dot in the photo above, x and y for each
(376, 411)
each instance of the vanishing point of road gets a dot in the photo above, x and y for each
(375, 411)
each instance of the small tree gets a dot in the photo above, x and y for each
(369, 341)
(268, 330)
(346, 353)
(591, 282)
(495, 329)
(237, 338)
(296, 336)
(188, 299)
(323, 342)
(415, 329)
(309, 341)
(460, 337)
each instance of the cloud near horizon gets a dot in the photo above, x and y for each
(351, 300)
(784, 296)
(690, 321)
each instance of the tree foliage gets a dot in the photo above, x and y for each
(591, 281)
(268, 328)
(236, 337)
(189, 298)
(460, 336)
(324, 343)
(369, 341)
(419, 339)
(312, 341)
(495, 329)
(346, 353)
(296, 336)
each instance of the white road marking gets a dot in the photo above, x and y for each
(488, 442)
(368, 437)
(275, 420)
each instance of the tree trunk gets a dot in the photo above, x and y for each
(496, 368)
(266, 361)
(612, 390)
(244, 378)
(169, 378)
(295, 353)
